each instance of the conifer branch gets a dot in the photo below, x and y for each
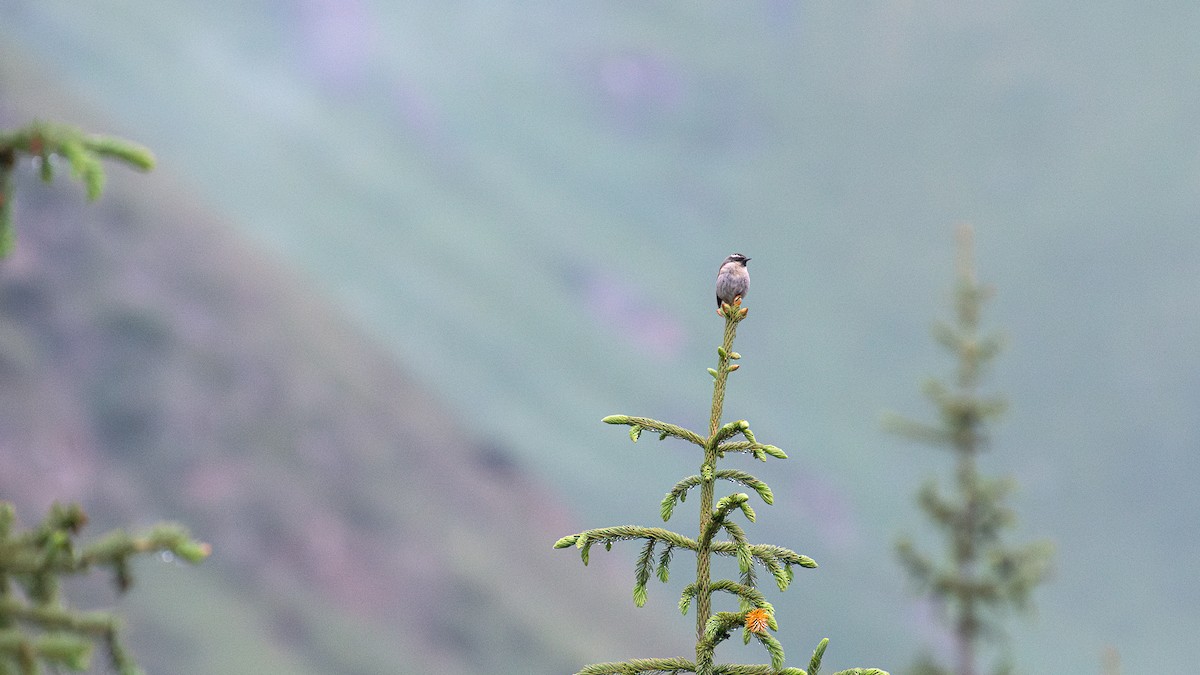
(915, 431)
(35, 625)
(773, 648)
(640, 667)
(731, 669)
(676, 495)
(814, 664)
(765, 551)
(685, 598)
(920, 567)
(719, 625)
(748, 576)
(607, 535)
(664, 562)
(743, 478)
(754, 448)
(67, 651)
(741, 544)
(737, 501)
(53, 618)
(83, 152)
(679, 665)
(637, 424)
(752, 596)
(727, 430)
(644, 568)
(679, 492)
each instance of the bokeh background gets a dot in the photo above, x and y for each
(397, 260)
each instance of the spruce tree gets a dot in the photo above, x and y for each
(979, 575)
(755, 615)
(38, 628)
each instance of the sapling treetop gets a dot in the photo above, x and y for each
(979, 575)
(755, 616)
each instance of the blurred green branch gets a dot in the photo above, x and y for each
(36, 626)
(46, 142)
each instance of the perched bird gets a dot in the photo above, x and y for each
(733, 280)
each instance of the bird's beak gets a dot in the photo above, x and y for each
(747, 260)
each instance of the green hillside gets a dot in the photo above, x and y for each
(553, 186)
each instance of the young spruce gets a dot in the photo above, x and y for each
(755, 615)
(979, 575)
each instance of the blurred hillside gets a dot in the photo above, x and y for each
(553, 186)
(155, 367)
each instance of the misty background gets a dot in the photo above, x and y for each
(517, 211)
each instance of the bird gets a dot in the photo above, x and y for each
(733, 279)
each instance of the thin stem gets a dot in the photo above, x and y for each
(704, 651)
(968, 622)
(967, 440)
(704, 553)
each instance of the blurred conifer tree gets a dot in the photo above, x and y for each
(979, 575)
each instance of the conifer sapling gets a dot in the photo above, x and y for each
(755, 616)
(979, 575)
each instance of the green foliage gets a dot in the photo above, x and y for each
(37, 628)
(756, 615)
(979, 575)
(46, 143)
